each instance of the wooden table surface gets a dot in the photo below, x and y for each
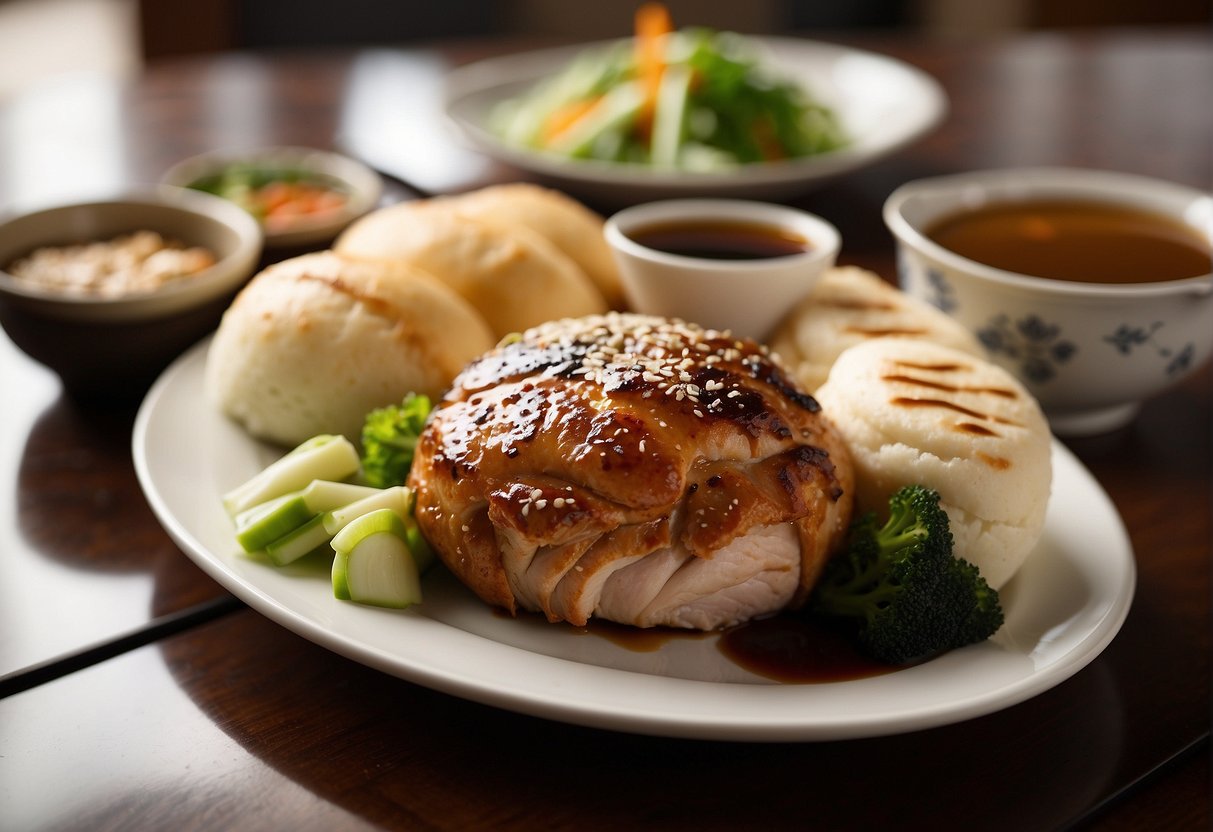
(136, 693)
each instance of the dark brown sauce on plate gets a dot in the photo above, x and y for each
(1079, 241)
(638, 639)
(795, 649)
(787, 648)
(721, 239)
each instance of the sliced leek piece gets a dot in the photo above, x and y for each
(266, 522)
(262, 524)
(373, 563)
(398, 498)
(325, 457)
(298, 542)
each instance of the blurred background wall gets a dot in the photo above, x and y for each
(44, 37)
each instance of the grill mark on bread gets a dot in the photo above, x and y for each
(857, 304)
(950, 388)
(885, 332)
(948, 367)
(975, 429)
(909, 401)
(998, 463)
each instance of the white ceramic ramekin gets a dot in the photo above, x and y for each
(747, 297)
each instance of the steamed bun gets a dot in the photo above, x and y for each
(313, 343)
(848, 306)
(917, 412)
(511, 275)
(566, 223)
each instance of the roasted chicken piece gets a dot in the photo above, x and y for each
(632, 468)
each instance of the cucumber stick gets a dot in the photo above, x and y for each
(670, 115)
(618, 107)
(324, 457)
(373, 563)
(298, 542)
(262, 524)
(398, 498)
(326, 495)
(320, 528)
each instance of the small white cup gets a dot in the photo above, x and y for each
(746, 297)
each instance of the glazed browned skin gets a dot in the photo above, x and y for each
(560, 459)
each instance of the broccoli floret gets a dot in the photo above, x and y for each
(389, 437)
(900, 587)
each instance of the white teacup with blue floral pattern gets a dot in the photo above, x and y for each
(1091, 353)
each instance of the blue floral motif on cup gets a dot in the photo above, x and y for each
(1127, 339)
(1035, 345)
(942, 295)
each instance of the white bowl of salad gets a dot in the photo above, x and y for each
(691, 112)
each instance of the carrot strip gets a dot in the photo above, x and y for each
(563, 118)
(652, 23)
(767, 140)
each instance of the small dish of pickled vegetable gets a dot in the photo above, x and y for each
(691, 112)
(300, 196)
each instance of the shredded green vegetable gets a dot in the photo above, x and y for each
(717, 106)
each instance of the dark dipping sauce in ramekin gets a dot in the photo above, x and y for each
(721, 239)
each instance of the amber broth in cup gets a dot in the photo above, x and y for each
(1080, 241)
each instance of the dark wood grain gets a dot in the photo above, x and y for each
(237, 723)
(280, 732)
(84, 560)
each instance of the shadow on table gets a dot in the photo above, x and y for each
(392, 752)
(79, 502)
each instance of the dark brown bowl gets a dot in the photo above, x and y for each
(114, 347)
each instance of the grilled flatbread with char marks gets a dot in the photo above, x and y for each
(917, 412)
(849, 306)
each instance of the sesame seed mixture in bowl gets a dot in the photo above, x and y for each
(141, 261)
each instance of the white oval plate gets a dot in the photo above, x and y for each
(1062, 609)
(883, 105)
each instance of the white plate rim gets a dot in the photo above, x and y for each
(467, 665)
(465, 84)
